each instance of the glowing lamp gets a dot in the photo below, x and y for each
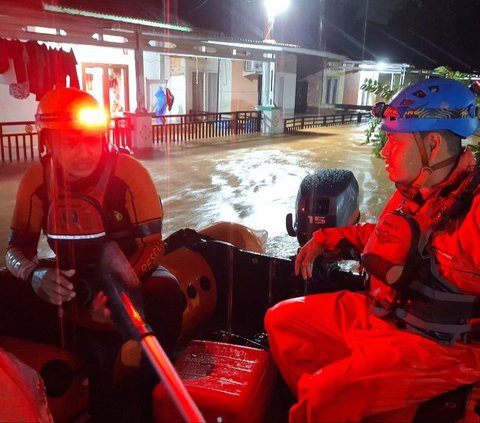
(275, 7)
(92, 118)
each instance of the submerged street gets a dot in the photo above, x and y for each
(252, 181)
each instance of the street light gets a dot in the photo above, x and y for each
(274, 8)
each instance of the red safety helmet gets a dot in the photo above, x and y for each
(70, 108)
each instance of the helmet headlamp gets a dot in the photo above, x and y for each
(383, 110)
(91, 118)
(71, 109)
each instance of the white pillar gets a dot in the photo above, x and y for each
(268, 83)
(141, 130)
(139, 75)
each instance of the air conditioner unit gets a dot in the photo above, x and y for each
(252, 66)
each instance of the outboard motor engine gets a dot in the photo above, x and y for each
(326, 198)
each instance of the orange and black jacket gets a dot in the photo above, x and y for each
(127, 200)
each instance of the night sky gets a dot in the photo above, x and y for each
(424, 33)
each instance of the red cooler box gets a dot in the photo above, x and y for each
(229, 383)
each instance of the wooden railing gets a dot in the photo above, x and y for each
(305, 122)
(120, 132)
(195, 126)
(19, 140)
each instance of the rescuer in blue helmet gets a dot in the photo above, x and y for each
(445, 106)
(414, 333)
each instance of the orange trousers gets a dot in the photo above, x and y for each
(345, 364)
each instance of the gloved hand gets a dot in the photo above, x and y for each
(52, 285)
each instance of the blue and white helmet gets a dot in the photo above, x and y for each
(431, 105)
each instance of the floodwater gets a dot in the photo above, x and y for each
(252, 181)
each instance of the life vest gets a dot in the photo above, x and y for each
(78, 220)
(75, 219)
(77, 216)
(433, 307)
(406, 284)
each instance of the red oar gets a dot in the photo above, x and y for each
(129, 320)
(162, 365)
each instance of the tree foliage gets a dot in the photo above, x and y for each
(374, 135)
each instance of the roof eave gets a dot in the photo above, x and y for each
(117, 18)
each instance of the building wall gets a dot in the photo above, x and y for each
(165, 72)
(225, 85)
(108, 55)
(314, 93)
(194, 67)
(286, 78)
(244, 89)
(339, 76)
(155, 77)
(12, 109)
(176, 83)
(234, 90)
(366, 98)
(352, 84)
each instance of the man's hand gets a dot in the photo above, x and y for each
(305, 258)
(99, 310)
(113, 260)
(52, 285)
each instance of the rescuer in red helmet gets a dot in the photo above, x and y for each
(84, 195)
(413, 334)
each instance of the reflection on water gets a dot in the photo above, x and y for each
(253, 182)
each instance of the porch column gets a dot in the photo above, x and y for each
(268, 83)
(139, 75)
(142, 132)
(141, 120)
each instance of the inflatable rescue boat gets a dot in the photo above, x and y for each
(223, 370)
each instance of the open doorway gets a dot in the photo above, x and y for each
(204, 92)
(108, 84)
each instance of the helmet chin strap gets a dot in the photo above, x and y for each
(427, 170)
